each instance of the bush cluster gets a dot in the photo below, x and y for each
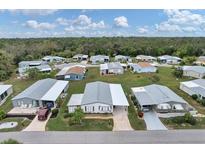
(187, 118)
(2, 115)
(54, 113)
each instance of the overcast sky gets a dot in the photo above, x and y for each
(92, 23)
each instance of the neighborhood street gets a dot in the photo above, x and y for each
(126, 137)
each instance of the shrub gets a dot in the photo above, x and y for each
(54, 113)
(10, 141)
(178, 73)
(77, 117)
(178, 120)
(194, 96)
(59, 102)
(67, 115)
(2, 115)
(201, 101)
(189, 119)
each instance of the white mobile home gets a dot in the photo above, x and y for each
(194, 71)
(173, 60)
(145, 58)
(53, 59)
(24, 66)
(111, 68)
(42, 93)
(142, 67)
(122, 58)
(99, 59)
(196, 87)
(99, 97)
(5, 92)
(158, 97)
(80, 57)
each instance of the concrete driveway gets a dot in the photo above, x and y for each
(121, 121)
(37, 125)
(153, 122)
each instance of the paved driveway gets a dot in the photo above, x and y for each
(37, 125)
(153, 122)
(121, 121)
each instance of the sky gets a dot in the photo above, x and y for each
(98, 23)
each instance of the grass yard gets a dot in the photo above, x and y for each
(200, 124)
(22, 123)
(87, 125)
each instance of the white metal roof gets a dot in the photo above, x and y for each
(190, 84)
(75, 99)
(103, 66)
(118, 95)
(54, 92)
(4, 88)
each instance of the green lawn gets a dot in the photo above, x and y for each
(200, 124)
(22, 123)
(87, 125)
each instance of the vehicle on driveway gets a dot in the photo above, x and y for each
(43, 114)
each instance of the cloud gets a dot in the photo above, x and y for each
(82, 22)
(143, 30)
(189, 29)
(39, 26)
(121, 22)
(167, 27)
(63, 21)
(184, 17)
(33, 12)
(181, 21)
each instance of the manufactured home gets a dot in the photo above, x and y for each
(5, 92)
(43, 93)
(99, 97)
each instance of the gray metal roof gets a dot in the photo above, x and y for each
(37, 90)
(198, 69)
(156, 94)
(197, 86)
(97, 92)
(114, 65)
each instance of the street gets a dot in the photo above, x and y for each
(126, 137)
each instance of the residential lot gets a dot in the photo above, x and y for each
(127, 80)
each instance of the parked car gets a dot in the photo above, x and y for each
(43, 114)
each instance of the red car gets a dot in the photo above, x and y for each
(43, 114)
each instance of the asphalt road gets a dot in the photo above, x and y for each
(126, 137)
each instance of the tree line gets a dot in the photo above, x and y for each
(34, 48)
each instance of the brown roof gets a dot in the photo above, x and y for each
(144, 64)
(76, 70)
